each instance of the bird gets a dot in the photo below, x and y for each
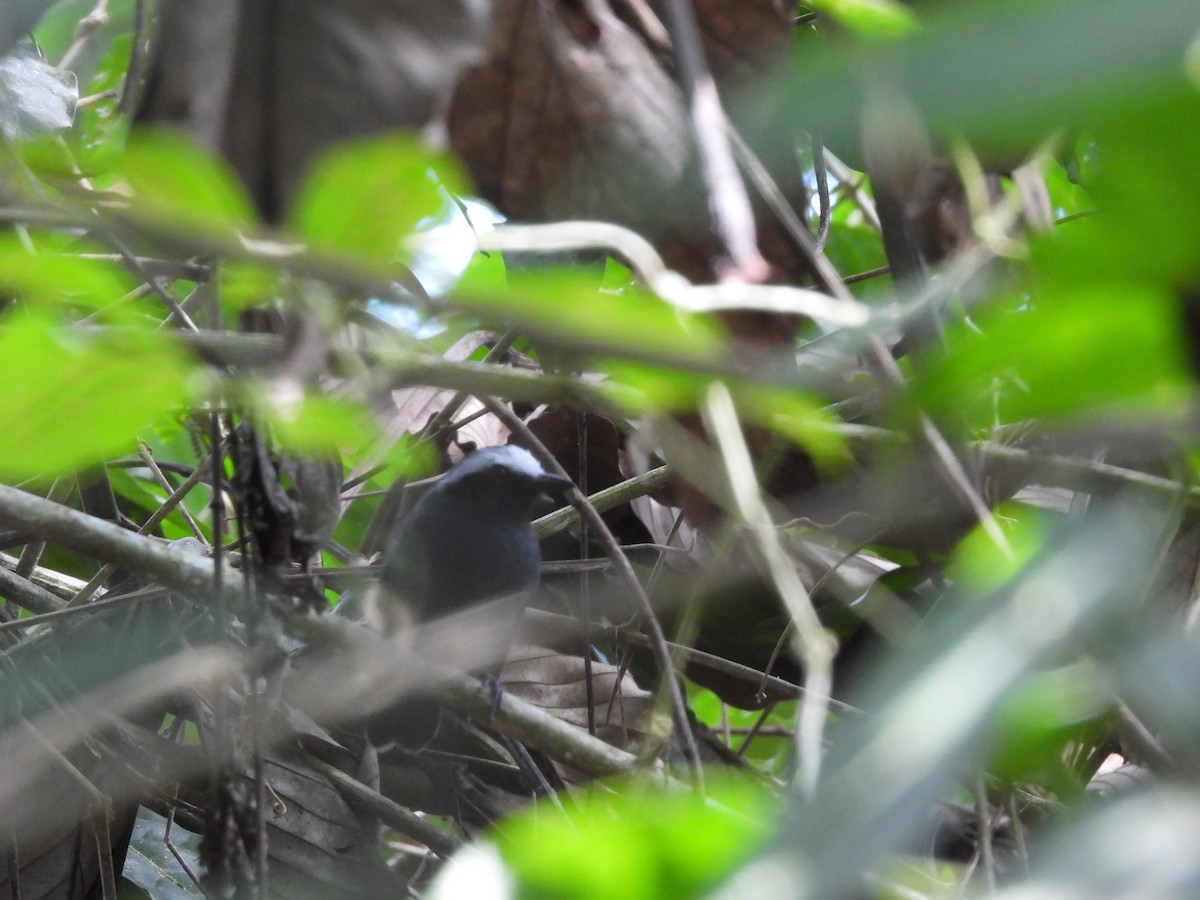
(466, 542)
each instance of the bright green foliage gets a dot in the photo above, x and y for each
(245, 284)
(53, 280)
(137, 494)
(176, 184)
(979, 566)
(566, 306)
(485, 274)
(768, 752)
(98, 135)
(853, 248)
(365, 198)
(617, 276)
(71, 399)
(1039, 717)
(641, 388)
(311, 422)
(798, 418)
(1071, 354)
(1067, 197)
(635, 840)
(57, 29)
(100, 131)
(1146, 184)
(868, 18)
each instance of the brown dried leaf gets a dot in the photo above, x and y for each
(575, 115)
(56, 854)
(557, 683)
(317, 841)
(570, 117)
(743, 39)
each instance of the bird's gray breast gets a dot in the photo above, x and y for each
(442, 563)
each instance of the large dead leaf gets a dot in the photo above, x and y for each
(319, 845)
(56, 852)
(557, 683)
(575, 114)
(570, 117)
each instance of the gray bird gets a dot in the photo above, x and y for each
(467, 541)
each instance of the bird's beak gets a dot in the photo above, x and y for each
(554, 484)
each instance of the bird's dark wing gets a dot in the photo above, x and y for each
(402, 595)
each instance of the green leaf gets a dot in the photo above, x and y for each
(869, 18)
(1074, 353)
(1081, 62)
(854, 248)
(137, 494)
(245, 284)
(101, 130)
(1040, 715)
(177, 184)
(617, 276)
(769, 752)
(1144, 188)
(1066, 197)
(640, 388)
(53, 278)
(484, 274)
(565, 306)
(635, 841)
(979, 565)
(72, 399)
(311, 423)
(797, 418)
(365, 198)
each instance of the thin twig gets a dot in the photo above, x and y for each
(817, 646)
(884, 369)
(821, 173)
(433, 430)
(754, 731)
(877, 272)
(168, 506)
(769, 190)
(983, 825)
(89, 609)
(88, 26)
(93, 99)
(641, 257)
(137, 60)
(147, 457)
(604, 500)
(441, 842)
(850, 187)
(189, 270)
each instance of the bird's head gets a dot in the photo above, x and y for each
(507, 477)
